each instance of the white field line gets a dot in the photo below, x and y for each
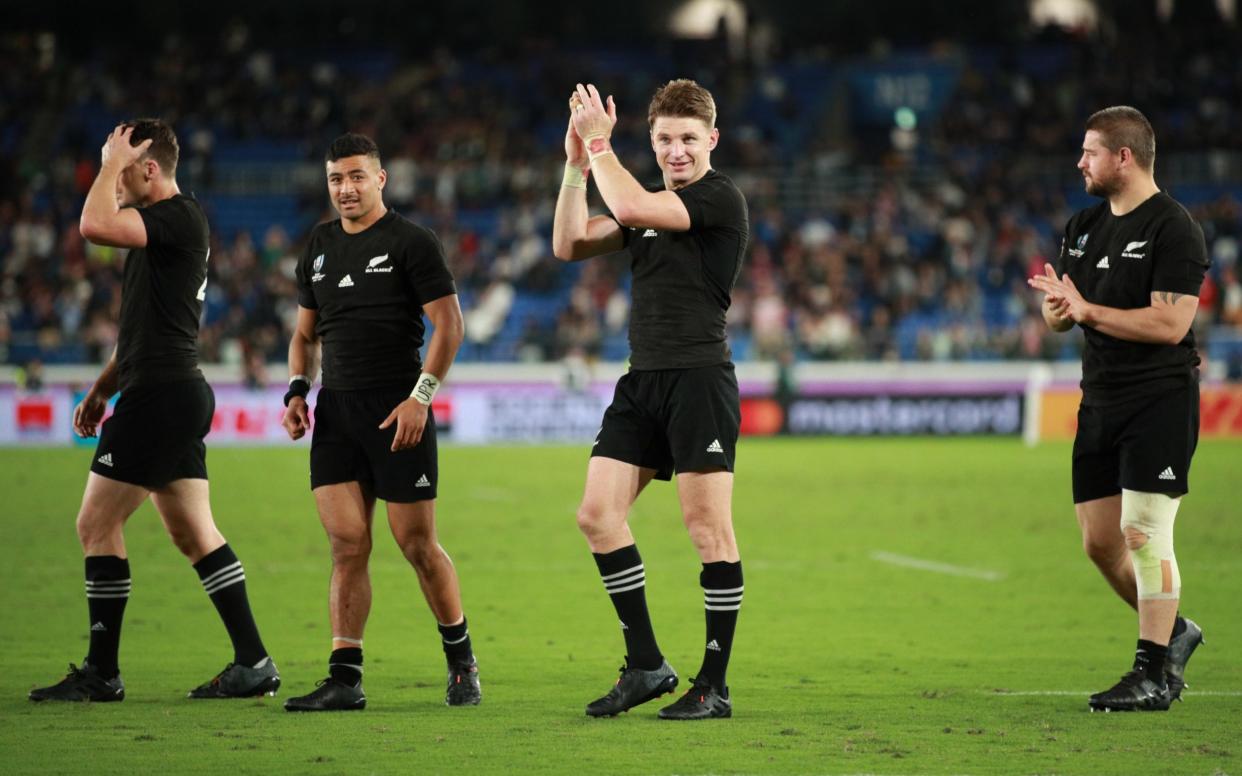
(936, 566)
(1205, 693)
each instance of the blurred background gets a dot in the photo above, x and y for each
(907, 165)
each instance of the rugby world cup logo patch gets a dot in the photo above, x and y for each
(1082, 244)
(318, 265)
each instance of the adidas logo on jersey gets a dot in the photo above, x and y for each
(374, 264)
(1134, 246)
(713, 646)
(346, 282)
(1167, 474)
(423, 482)
(105, 459)
(98, 628)
(1102, 263)
(715, 447)
(650, 233)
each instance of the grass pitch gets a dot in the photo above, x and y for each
(846, 660)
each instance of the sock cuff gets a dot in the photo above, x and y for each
(1152, 648)
(219, 569)
(623, 559)
(215, 560)
(349, 656)
(111, 567)
(721, 575)
(454, 634)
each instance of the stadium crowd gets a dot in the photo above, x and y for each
(910, 241)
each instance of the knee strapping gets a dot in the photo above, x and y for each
(1147, 522)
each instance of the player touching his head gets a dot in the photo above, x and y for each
(677, 408)
(152, 446)
(364, 282)
(1129, 274)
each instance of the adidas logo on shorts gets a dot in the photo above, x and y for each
(423, 482)
(105, 459)
(1167, 474)
(715, 447)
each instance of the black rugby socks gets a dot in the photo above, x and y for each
(107, 592)
(722, 600)
(224, 580)
(625, 580)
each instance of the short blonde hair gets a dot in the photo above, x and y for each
(682, 98)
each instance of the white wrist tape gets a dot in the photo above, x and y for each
(425, 389)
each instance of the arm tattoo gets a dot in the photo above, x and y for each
(1168, 297)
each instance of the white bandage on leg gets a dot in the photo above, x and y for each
(1147, 524)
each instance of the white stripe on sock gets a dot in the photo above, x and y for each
(347, 640)
(607, 577)
(458, 641)
(238, 576)
(207, 580)
(108, 595)
(709, 591)
(108, 582)
(723, 608)
(635, 586)
(639, 577)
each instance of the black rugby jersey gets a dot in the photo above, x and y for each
(369, 290)
(162, 296)
(683, 281)
(1118, 261)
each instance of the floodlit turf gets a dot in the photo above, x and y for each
(844, 661)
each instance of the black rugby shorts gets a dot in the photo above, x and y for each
(347, 445)
(155, 434)
(683, 420)
(1145, 445)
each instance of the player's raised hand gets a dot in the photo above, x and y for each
(411, 418)
(593, 118)
(88, 413)
(296, 420)
(118, 151)
(575, 151)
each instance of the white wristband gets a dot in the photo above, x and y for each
(425, 389)
(295, 378)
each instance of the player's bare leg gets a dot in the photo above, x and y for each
(185, 508)
(707, 510)
(106, 505)
(611, 488)
(1102, 540)
(345, 509)
(414, 527)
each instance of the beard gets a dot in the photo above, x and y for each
(1097, 187)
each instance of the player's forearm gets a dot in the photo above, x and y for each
(101, 205)
(106, 384)
(1152, 325)
(569, 223)
(303, 357)
(622, 193)
(443, 347)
